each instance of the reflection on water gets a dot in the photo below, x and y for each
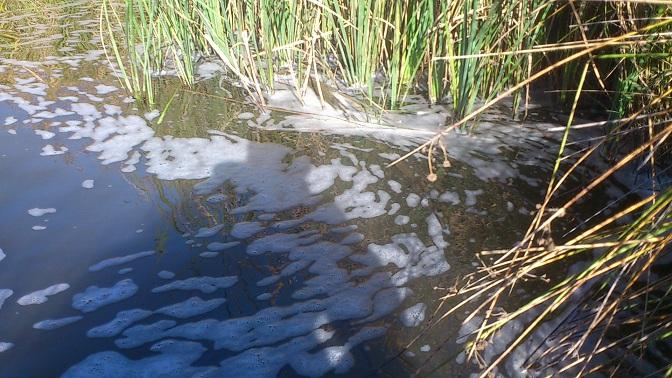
(222, 241)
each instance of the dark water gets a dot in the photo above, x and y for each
(241, 243)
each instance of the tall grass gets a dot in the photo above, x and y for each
(383, 50)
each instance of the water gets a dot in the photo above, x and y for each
(224, 241)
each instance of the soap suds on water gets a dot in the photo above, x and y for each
(414, 315)
(50, 324)
(413, 200)
(121, 321)
(50, 150)
(191, 307)
(45, 134)
(203, 284)
(95, 297)
(40, 296)
(166, 275)
(4, 295)
(206, 232)
(218, 246)
(120, 260)
(88, 184)
(38, 212)
(5, 346)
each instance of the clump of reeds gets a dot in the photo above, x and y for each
(613, 314)
(383, 49)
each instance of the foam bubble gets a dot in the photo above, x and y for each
(401, 220)
(5, 346)
(39, 228)
(45, 134)
(50, 324)
(471, 196)
(115, 261)
(121, 321)
(244, 230)
(50, 150)
(412, 200)
(204, 284)
(217, 246)
(166, 275)
(88, 184)
(95, 297)
(414, 315)
(174, 357)
(40, 296)
(395, 186)
(206, 232)
(102, 89)
(2, 254)
(191, 307)
(450, 197)
(38, 212)
(4, 294)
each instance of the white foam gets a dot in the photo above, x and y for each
(2, 254)
(102, 89)
(4, 295)
(115, 261)
(401, 220)
(166, 275)
(45, 134)
(152, 115)
(208, 254)
(394, 208)
(40, 296)
(413, 200)
(244, 230)
(217, 246)
(11, 131)
(395, 186)
(88, 184)
(204, 284)
(10, 120)
(425, 348)
(414, 315)
(264, 296)
(50, 150)
(5, 346)
(206, 232)
(450, 197)
(121, 321)
(95, 297)
(50, 324)
(471, 196)
(39, 228)
(191, 307)
(174, 357)
(38, 212)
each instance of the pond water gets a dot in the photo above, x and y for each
(212, 239)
